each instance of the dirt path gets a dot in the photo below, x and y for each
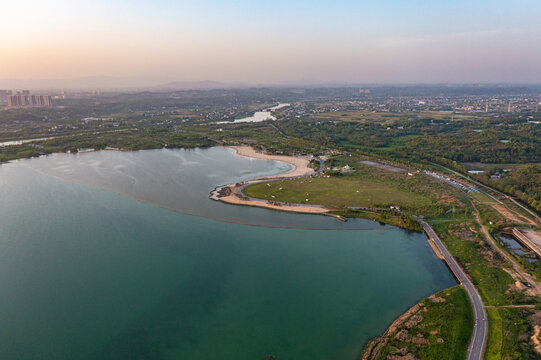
(511, 215)
(525, 277)
(537, 218)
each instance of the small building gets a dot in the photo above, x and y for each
(346, 169)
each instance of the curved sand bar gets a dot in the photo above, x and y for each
(300, 163)
(232, 194)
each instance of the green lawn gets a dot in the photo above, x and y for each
(482, 197)
(335, 191)
(366, 186)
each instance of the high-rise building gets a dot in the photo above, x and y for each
(29, 100)
(14, 101)
(4, 94)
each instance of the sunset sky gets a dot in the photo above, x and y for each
(393, 41)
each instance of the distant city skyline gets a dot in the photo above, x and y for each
(271, 42)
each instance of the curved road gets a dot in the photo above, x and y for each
(480, 328)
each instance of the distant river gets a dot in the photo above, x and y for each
(20, 142)
(258, 116)
(88, 272)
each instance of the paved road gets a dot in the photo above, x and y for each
(480, 329)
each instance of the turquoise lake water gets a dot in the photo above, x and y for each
(89, 272)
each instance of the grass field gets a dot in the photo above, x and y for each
(445, 328)
(506, 329)
(336, 191)
(364, 116)
(482, 197)
(437, 115)
(366, 186)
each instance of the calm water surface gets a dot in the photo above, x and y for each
(515, 247)
(258, 116)
(88, 272)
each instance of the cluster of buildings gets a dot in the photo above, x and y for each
(451, 104)
(25, 99)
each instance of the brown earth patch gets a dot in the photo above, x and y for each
(436, 299)
(465, 235)
(419, 340)
(402, 335)
(510, 215)
(405, 357)
(402, 351)
(414, 320)
(536, 340)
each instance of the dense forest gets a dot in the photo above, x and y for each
(465, 141)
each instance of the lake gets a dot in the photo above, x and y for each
(121, 255)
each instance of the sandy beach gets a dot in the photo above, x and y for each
(232, 194)
(234, 198)
(300, 163)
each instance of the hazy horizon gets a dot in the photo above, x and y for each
(109, 83)
(143, 43)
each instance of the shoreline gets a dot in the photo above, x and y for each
(232, 193)
(300, 164)
(247, 151)
(373, 346)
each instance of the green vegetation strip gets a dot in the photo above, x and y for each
(509, 332)
(440, 329)
(344, 192)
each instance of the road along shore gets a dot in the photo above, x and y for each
(233, 194)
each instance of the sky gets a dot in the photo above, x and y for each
(273, 42)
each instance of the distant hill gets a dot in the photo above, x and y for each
(144, 83)
(198, 85)
(151, 83)
(113, 83)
